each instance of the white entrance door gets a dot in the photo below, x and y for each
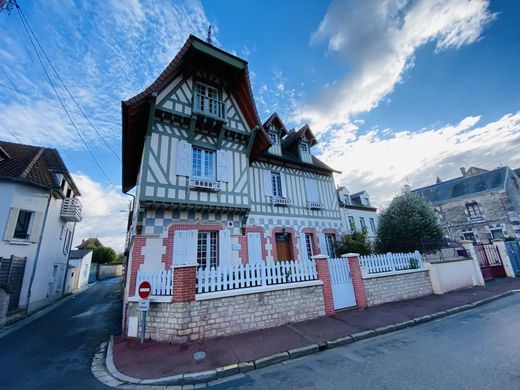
(254, 248)
(341, 281)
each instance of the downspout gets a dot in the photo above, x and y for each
(68, 259)
(38, 252)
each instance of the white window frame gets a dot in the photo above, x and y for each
(210, 247)
(305, 147)
(204, 165)
(363, 223)
(346, 198)
(372, 224)
(276, 184)
(330, 240)
(308, 245)
(501, 236)
(202, 95)
(351, 223)
(273, 136)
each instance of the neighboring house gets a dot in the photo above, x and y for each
(214, 185)
(90, 243)
(39, 208)
(357, 212)
(480, 205)
(79, 269)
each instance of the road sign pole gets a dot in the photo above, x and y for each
(143, 326)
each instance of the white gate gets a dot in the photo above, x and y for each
(341, 281)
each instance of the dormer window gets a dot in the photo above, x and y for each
(346, 199)
(304, 147)
(274, 137)
(305, 152)
(207, 101)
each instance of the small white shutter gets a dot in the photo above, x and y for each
(254, 248)
(191, 242)
(179, 247)
(268, 183)
(303, 247)
(223, 165)
(323, 244)
(224, 245)
(11, 223)
(184, 156)
(284, 188)
(34, 236)
(311, 188)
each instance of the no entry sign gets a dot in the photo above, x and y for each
(144, 290)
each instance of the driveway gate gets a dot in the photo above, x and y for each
(341, 281)
(513, 250)
(490, 261)
(11, 275)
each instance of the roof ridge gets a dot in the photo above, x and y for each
(32, 163)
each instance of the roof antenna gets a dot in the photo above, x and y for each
(208, 39)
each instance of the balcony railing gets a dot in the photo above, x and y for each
(281, 201)
(209, 106)
(314, 205)
(204, 184)
(71, 210)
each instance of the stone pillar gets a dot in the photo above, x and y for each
(506, 261)
(322, 266)
(184, 282)
(4, 305)
(357, 279)
(468, 245)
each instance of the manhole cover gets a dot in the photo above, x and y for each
(200, 355)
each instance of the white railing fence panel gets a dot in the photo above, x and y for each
(161, 281)
(390, 262)
(221, 278)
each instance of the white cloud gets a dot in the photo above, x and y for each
(378, 40)
(104, 213)
(381, 163)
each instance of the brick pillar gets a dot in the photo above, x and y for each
(506, 261)
(357, 279)
(184, 283)
(468, 245)
(322, 266)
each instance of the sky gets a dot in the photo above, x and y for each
(397, 92)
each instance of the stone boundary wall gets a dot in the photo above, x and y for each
(105, 271)
(397, 287)
(180, 322)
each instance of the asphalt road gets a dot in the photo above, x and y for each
(479, 349)
(56, 350)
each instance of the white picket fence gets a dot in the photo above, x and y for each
(221, 278)
(161, 281)
(390, 262)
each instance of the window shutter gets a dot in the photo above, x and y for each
(34, 236)
(224, 251)
(254, 248)
(191, 252)
(223, 165)
(284, 189)
(323, 244)
(179, 247)
(11, 223)
(268, 183)
(184, 156)
(311, 187)
(303, 248)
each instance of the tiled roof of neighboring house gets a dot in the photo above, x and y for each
(79, 254)
(275, 119)
(463, 186)
(91, 242)
(296, 135)
(33, 165)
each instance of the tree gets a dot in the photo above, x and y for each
(120, 258)
(355, 242)
(405, 223)
(103, 255)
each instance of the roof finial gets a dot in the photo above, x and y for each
(208, 39)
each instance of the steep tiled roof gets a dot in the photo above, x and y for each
(32, 165)
(91, 242)
(463, 186)
(79, 254)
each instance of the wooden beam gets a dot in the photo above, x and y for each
(252, 140)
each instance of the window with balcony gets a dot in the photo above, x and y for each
(276, 181)
(207, 249)
(207, 101)
(473, 210)
(203, 164)
(21, 230)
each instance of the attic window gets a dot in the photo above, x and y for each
(274, 137)
(304, 147)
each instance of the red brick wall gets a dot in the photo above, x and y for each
(184, 284)
(357, 281)
(322, 267)
(294, 242)
(136, 261)
(243, 254)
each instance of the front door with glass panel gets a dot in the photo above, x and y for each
(207, 249)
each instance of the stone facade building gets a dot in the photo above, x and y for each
(480, 205)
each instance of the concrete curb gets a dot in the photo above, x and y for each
(108, 374)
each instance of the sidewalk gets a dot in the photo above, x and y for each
(155, 360)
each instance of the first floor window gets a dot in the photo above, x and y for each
(363, 223)
(207, 249)
(352, 223)
(276, 180)
(473, 210)
(308, 245)
(497, 233)
(330, 240)
(203, 163)
(373, 225)
(21, 231)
